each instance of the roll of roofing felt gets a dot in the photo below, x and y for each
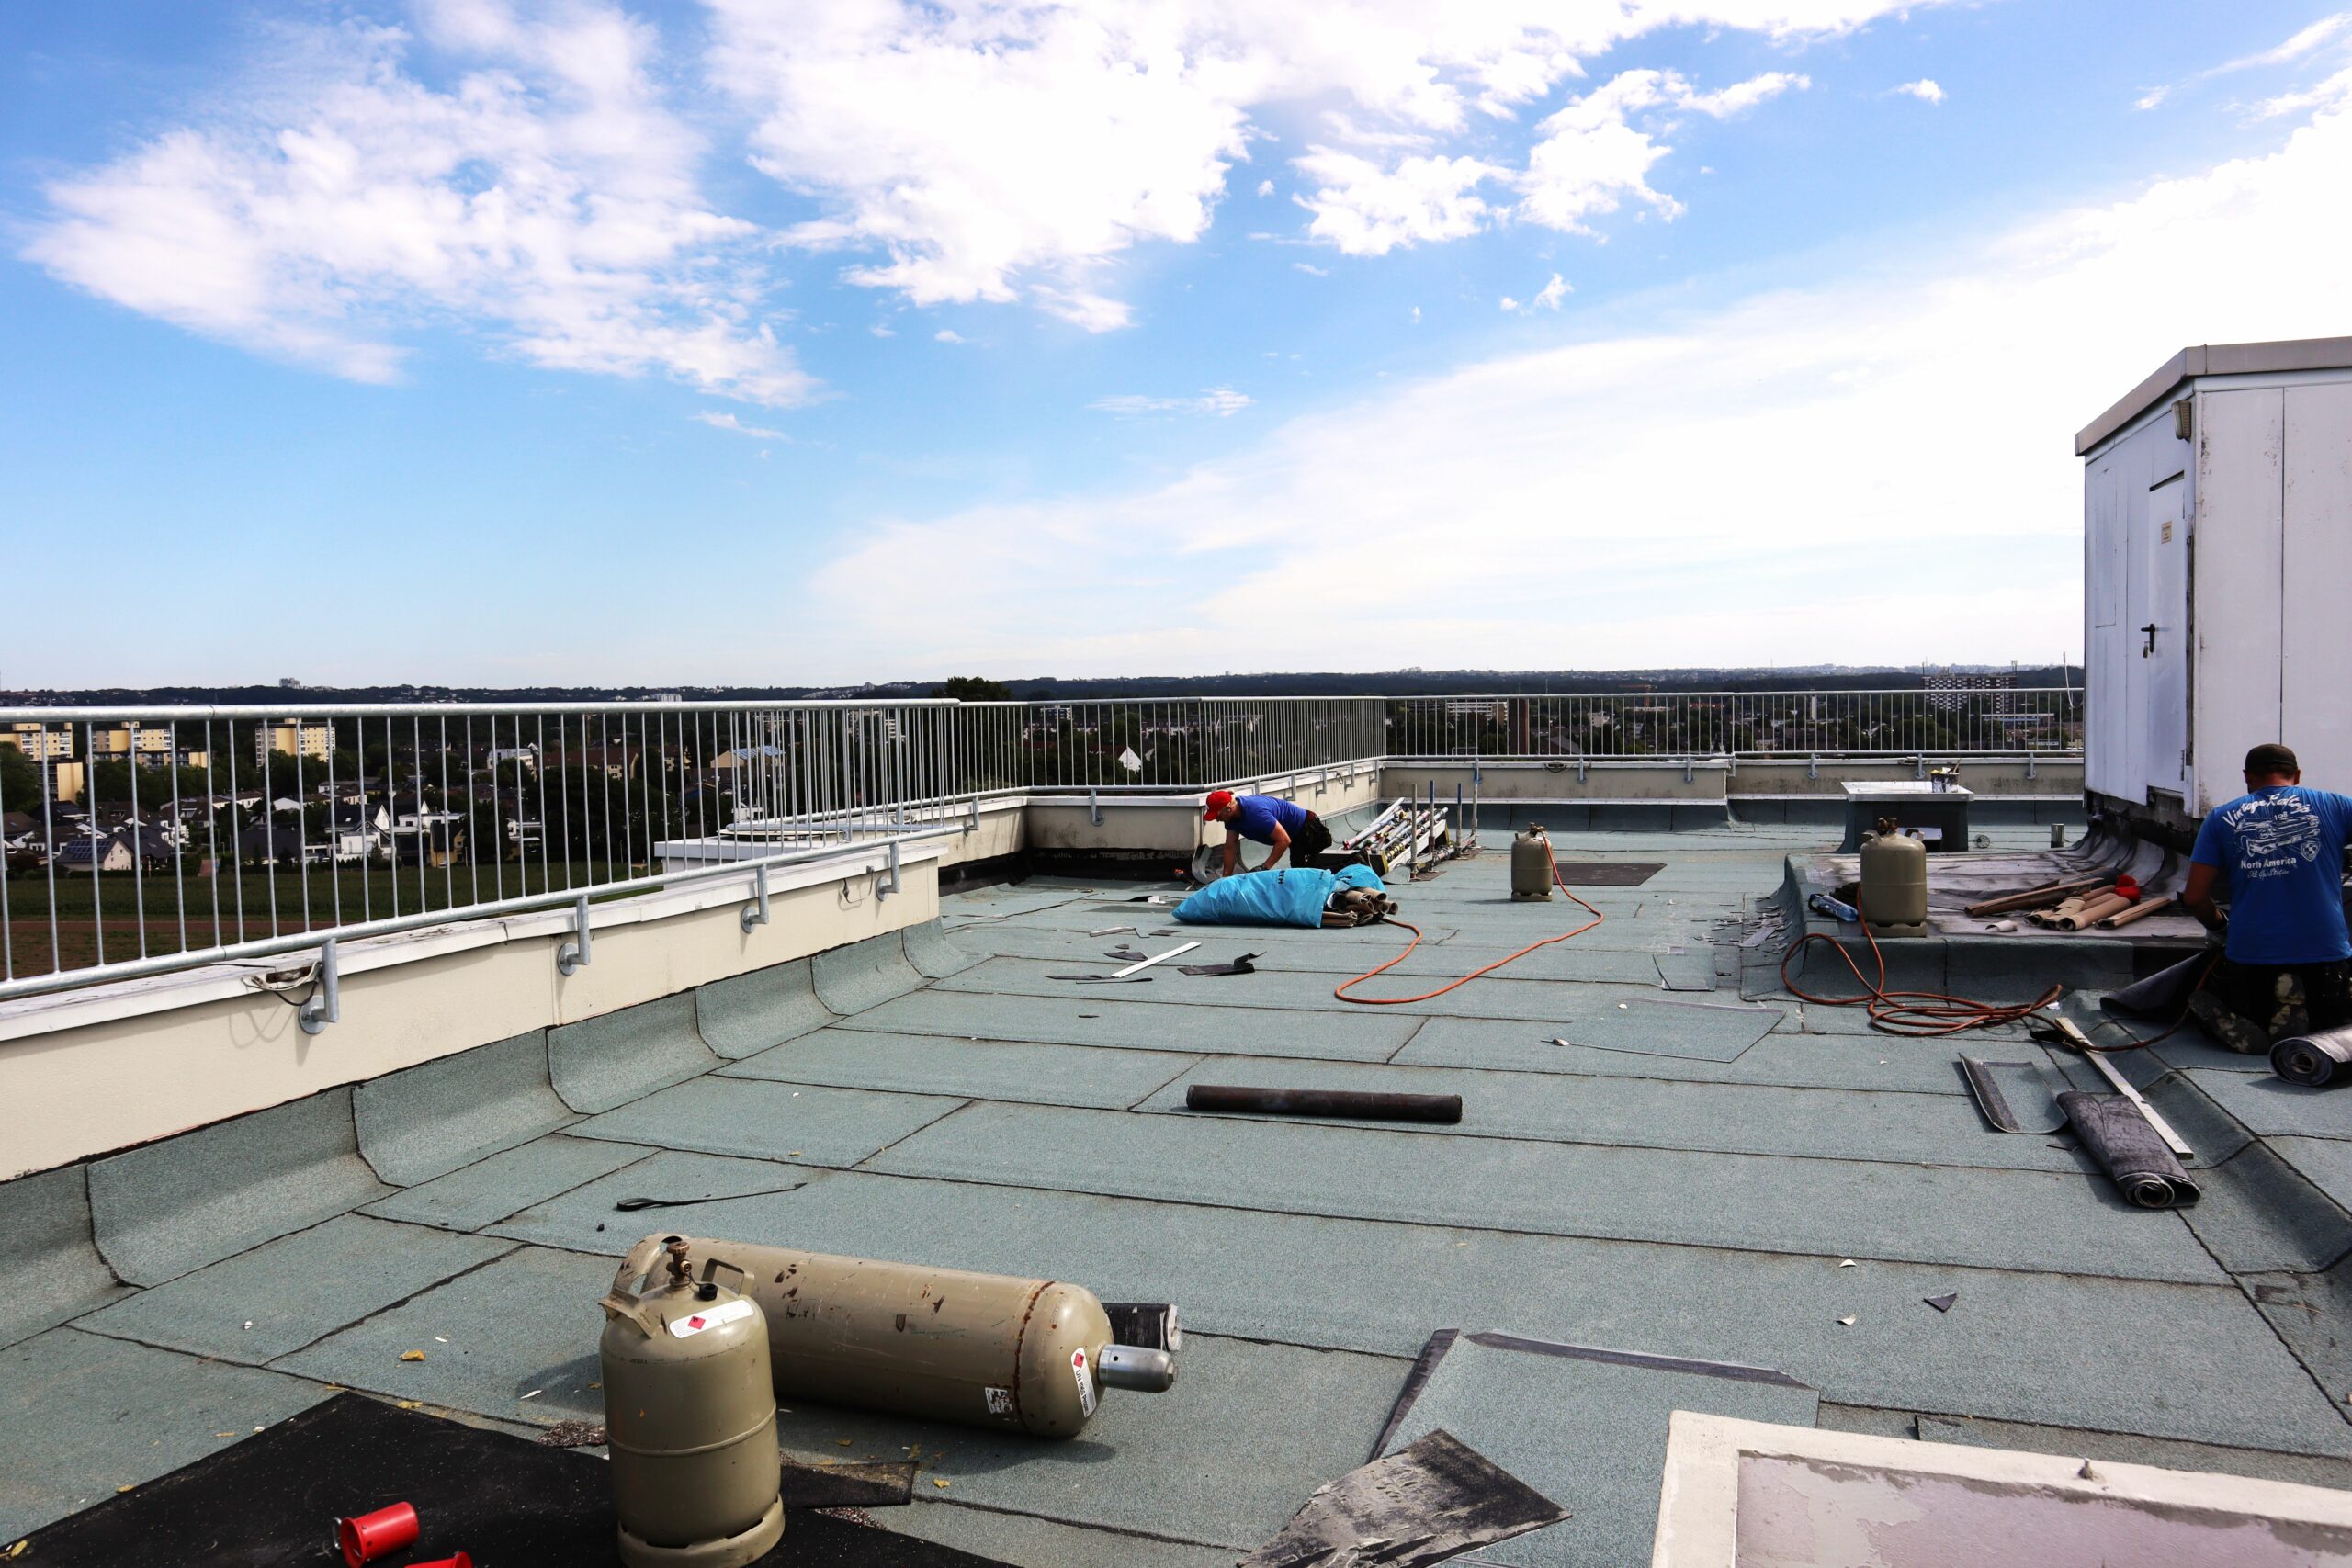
(2319, 1060)
(1361, 1105)
(2132, 1152)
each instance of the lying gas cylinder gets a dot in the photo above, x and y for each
(1031, 1356)
(690, 1409)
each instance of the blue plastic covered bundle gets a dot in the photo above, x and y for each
(1295, 896)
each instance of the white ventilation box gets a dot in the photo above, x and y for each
(2217, 576)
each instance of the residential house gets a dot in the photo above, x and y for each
(280, 843)
(112, 852)
(357, 831)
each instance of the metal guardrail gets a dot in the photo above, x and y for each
(1608, 726)
(141, 840)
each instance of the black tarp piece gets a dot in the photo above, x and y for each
(1245, 964)
(506, 1501)
(2322, 1059)
(884, 1484)
(2162, 995)
(1148, 1326)
(1608, 872)
(2119, 1138)
(1433, 1499)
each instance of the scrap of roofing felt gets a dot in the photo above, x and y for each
(1608, 872)
(1579, 1423)
(1942, 1303)
(2130, 1151)
(1124, 954)
(884, 1484)
(1984, 1080)
(1431, 1500)
(1245, 964)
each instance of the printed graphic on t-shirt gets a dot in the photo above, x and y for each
(2277, 835)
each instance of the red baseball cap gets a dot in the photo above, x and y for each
(1218, 801)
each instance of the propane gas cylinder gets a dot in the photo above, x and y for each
(1895, 880)
(690, 1410)
(1031, 1356)
(1530, 864)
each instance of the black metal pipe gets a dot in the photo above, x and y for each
(1355, 1104)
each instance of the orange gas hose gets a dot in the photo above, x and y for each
(1926, 1014)
(1340, 991)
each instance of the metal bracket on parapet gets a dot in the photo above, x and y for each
(1919, 766)
(884, 889)
(756, 913)
(1581, 765)
(1812, 768)
(2029, 764)
(1689, 770)
(325, 1005)
(972, 823)
(1323, 782)
(573, 955)
(1094, 805)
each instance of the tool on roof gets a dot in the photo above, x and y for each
(364, 1538)
(2317, 1060)
(1993, 1103)
(1019, 1355)
(631, 1205)
(690, 1410)
(2098, 1058)
(1361, 1105)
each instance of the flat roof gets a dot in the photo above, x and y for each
(1663, 1153)
(2215, 359)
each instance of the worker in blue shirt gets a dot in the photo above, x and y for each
(2278, 850)
(1285, 825)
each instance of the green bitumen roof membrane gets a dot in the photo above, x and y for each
(1684, 1178)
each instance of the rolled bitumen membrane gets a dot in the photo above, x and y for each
(2318, 1060)
(2119, 1138)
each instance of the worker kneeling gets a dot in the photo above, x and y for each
(1285, 825)
(2278, 851)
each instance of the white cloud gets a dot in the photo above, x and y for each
(1549, 299)
(1223, 401)
(1593, 157)
(1366, 210)
(1925, 89)
(1703, 491)
(1311, 269)
(333, 200)
(1095, 313)
(949, 334)
(2302, 43)
(996, 150)
(729, 422)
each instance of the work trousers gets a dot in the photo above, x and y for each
(2283, 1000)
(1311, 839)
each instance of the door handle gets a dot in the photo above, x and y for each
(2150, 629)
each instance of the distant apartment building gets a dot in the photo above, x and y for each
(151, 744)
(293, 737)
(39, 743)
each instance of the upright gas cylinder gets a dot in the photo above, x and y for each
(1022, 1355)
(1893, 897)
(1530, 864)
(690, 1410)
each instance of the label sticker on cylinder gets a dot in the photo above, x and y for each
(1000, 1401)
(726, 1312)
(1085, 1381)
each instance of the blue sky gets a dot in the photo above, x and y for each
(491, 344)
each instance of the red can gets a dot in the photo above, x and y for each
(379, 1534)
(460, 1561)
